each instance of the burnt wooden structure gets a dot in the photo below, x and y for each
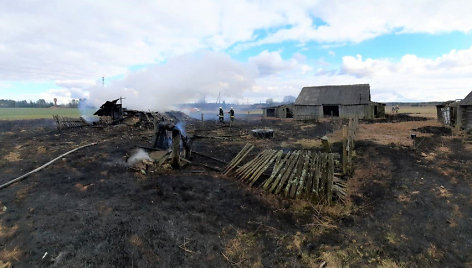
(111, 109)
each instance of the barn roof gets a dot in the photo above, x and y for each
(340, 94)
(467, 100)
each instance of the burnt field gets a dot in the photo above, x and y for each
(90, 209)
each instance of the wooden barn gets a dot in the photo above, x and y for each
(464, 113)
(337, 101)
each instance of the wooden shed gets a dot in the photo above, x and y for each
(337, 101)
(447, 112)
(280, 111)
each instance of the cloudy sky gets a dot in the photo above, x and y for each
(160, 52)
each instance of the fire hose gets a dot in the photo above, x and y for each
(43, 166)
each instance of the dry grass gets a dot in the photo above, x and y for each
(7, 231)
(12, 157)
(8, 255)
(396, 133)
(305, 143)
(240, 250)
(426, 111)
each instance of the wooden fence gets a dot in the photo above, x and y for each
(296, 174)
(67, 122)
(349, 134)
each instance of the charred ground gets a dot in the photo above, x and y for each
(406, 207)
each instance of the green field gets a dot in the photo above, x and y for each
(36, 113)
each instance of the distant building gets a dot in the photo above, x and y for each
(447, 112)
(279, 111)
(336, 101)
(464, 113)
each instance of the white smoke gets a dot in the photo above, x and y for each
(137, 156)
(182, 79)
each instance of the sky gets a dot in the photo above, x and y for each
(159, 53)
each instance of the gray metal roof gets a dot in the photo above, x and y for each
(340, 94)
(467, 100)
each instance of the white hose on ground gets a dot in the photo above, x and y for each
(43, 166)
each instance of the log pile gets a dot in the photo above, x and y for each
(301, 174)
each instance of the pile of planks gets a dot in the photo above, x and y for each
(68, 122)
(297, 174)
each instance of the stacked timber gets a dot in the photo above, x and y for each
(300, 174)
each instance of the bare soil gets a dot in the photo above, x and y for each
(407, 208)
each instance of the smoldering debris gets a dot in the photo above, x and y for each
(138, 155)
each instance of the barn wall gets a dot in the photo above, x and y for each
(466, 117)
(348, 111)
(305, 112)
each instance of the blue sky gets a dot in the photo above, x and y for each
(245, 50)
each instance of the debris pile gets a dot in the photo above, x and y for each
(296, 174)
(263, 133)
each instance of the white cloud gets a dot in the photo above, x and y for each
(412, 78)
(271, 63)
(356, 21)
(62, 40)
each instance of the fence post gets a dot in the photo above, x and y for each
(345, 153)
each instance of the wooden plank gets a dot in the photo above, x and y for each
(316, 178)
(277, 185)
(265, 167)
(277, 168)
(231, 164)
(297, 179)
(293, 176)
(237, 158)
(309, 176)
(238, 155)
(301, 183)
(248, 165)
(255, 165)
(344, 149)
(235, 165)
(330, 179)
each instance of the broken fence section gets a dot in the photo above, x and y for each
(68, 122)
(296, 174)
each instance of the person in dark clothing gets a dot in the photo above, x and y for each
(231, 114)
(221, 115)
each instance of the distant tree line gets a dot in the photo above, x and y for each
(41, 103)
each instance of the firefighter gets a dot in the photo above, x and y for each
(231, 114)
(221, 115)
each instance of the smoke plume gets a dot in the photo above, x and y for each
(182, 79)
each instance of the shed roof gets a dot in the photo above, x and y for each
(467, 100)
(337, 94)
